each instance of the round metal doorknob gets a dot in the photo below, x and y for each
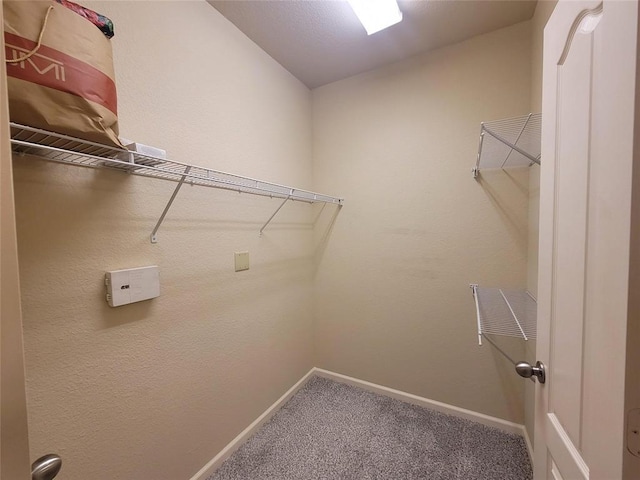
(525, 370)
(46, 468)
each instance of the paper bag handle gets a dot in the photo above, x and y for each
(37, 47)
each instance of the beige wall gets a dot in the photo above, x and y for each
(392, 300)
(544, 9)
(176, 378)
(156, 389)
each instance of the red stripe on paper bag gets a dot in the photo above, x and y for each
(52, 68)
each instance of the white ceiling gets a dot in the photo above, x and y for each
(321, 41)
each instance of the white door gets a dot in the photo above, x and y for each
(589, 86)
(14, 441)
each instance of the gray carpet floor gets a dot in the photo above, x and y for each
(330, 430)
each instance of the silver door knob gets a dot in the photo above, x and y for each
(46, 468)
(525, 370)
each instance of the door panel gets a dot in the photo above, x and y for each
(554, 472)
(570, 226)
(563, 455)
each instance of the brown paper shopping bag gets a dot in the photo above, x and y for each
(60, 72)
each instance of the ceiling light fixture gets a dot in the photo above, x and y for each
(376, 15)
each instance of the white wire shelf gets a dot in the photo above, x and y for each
(59, 148)
(509, 313)
(511, 142)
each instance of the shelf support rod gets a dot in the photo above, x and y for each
(517, 140)
(500, 350)
(511, 145)
(476, 170)
(276, 212)
(474, 288)
(515, 317)
(154, 237)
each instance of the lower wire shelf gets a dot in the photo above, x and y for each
(509, 313)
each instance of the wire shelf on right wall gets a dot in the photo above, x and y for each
(509, 313)
(511, 142)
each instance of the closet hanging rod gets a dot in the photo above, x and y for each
(60, 148)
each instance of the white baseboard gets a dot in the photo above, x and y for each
(227, 451)
(527, 440)
(504, 425)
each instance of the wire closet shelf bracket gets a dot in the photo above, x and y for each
(73, 151)
(511, 142)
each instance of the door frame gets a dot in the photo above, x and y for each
(14, 434)
(631, 462)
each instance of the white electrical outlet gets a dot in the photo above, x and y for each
(241, 261)
(132, 285)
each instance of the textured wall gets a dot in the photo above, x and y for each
(392, 301)
(156, 389)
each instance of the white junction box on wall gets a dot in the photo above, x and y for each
(132, 285)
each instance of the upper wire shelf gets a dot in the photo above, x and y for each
(60, 148)
(511, 142)
(509, 313)
(64, 149)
